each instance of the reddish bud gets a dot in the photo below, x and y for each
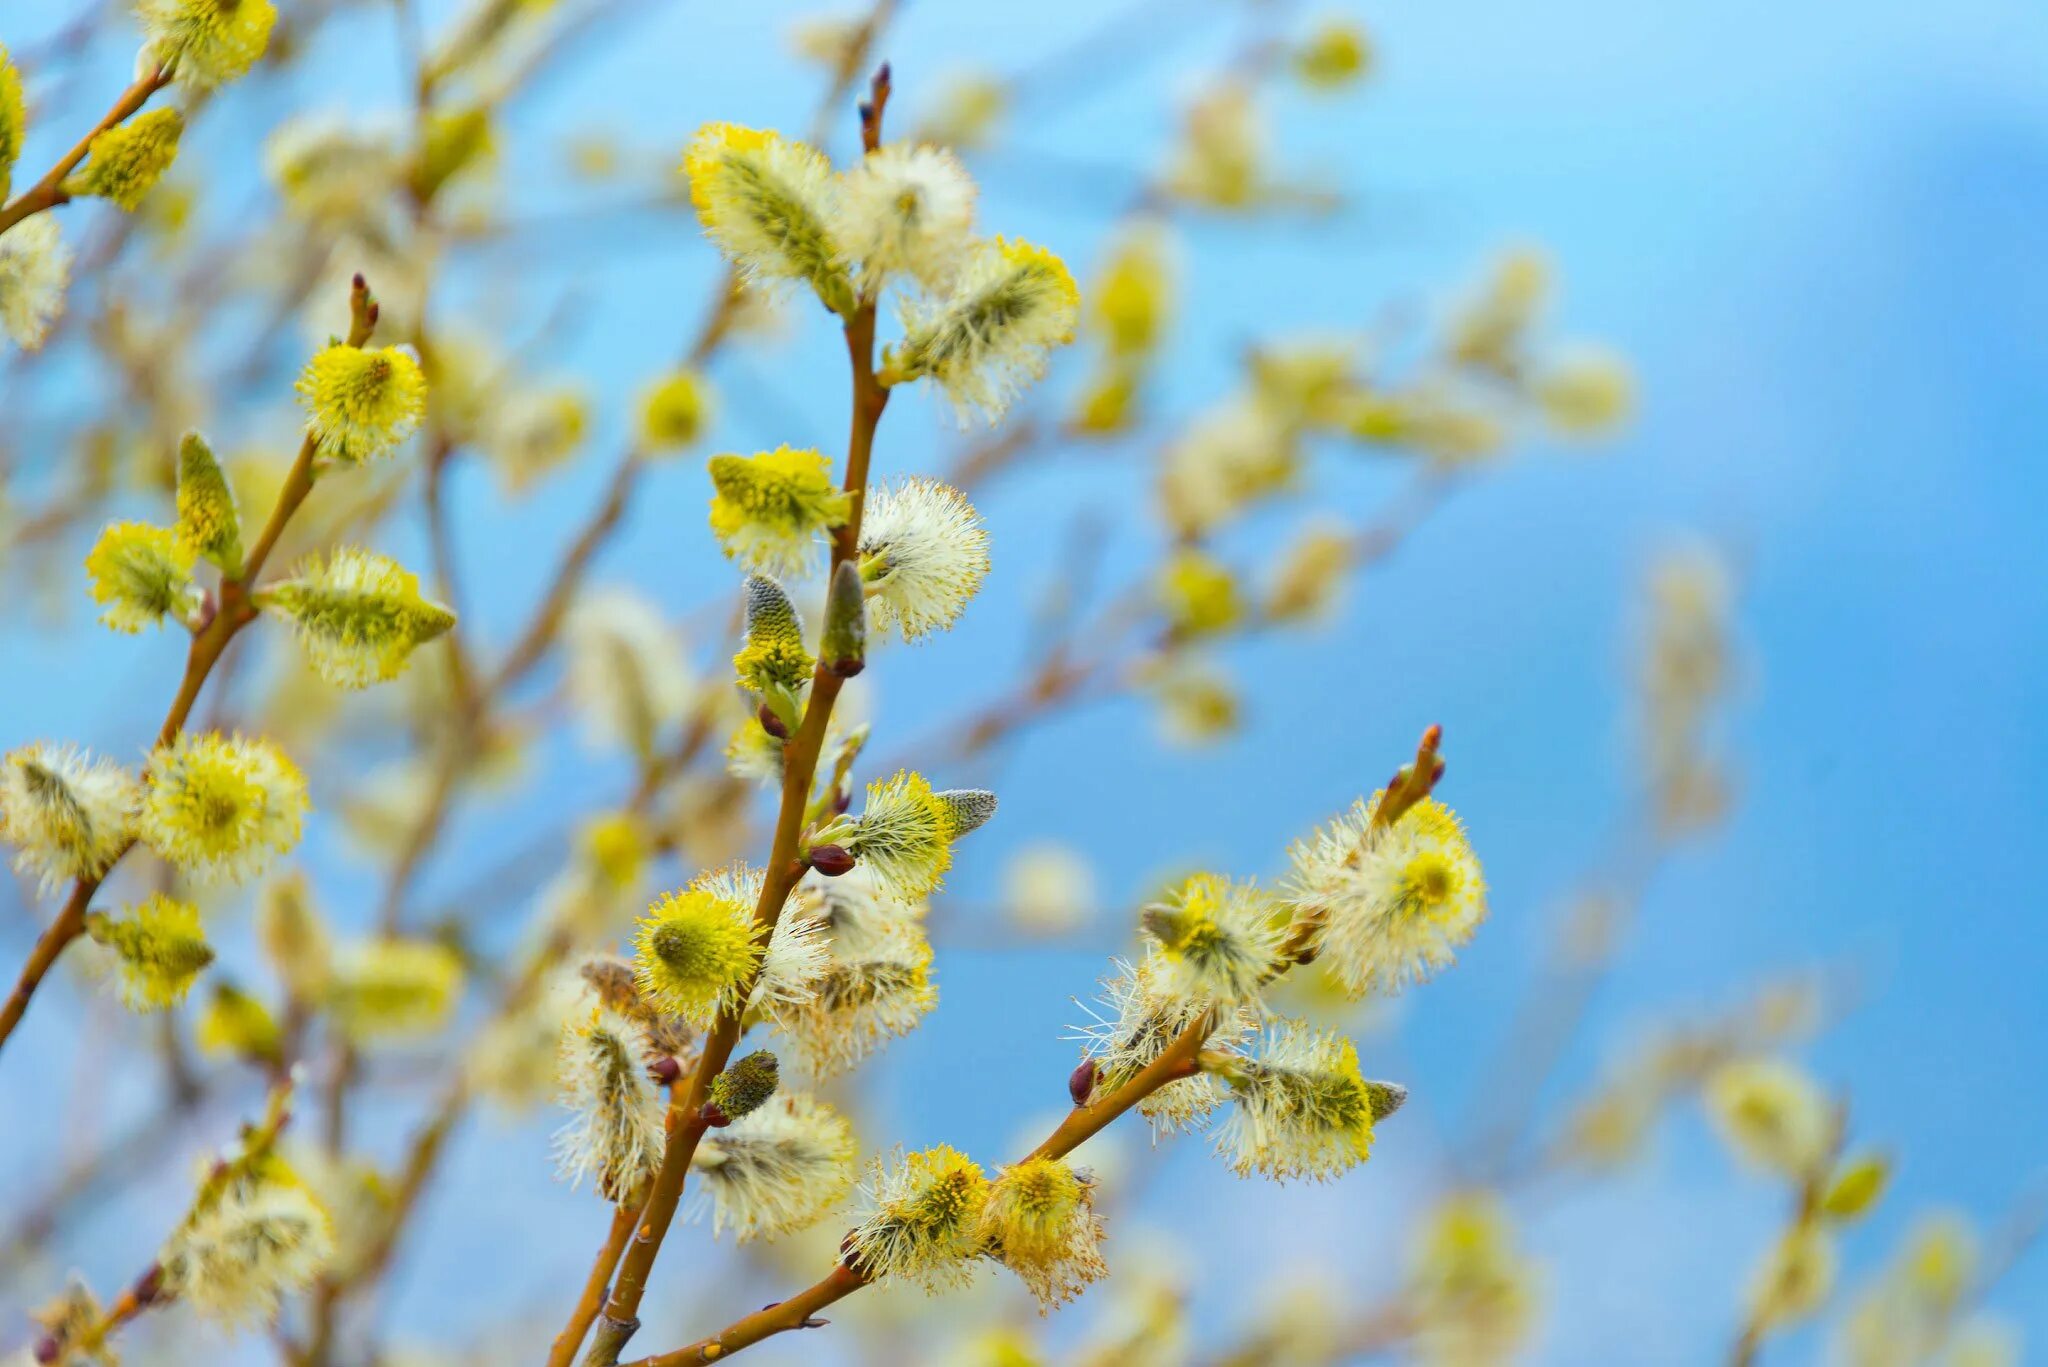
(48, 1349)
(713, 1116)
(1081, 1082)
(665, 1070)
(773, 724)
(831, 860)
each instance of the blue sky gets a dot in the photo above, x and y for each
(1818, 236)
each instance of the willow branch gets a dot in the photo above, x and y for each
(1180, 1059)
(236, 610)
(49, 191)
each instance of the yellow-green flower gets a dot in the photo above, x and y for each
(13, 119)
(1013, 303)
(35, 267)
(923, 555)
(235, 1258)
(1335, 55)
(533, 430)
(161, 949)
(206, 43)
(614, 1130)
(1219, 941)
(1772, 1114)
(876, 984)
(774, 656)
(236, 1024)
(1472, 1293)
(67, 814)
(142, 574)
(923, 1222)
(675, 411)
(767, 203)
(1302, 1107)
(1795, 1279)
(906, 210)
(362, 403)
(1132, 302)
(1040, 1222)
(127, 160)
(222, 807)
(778, 1169)
(294, 937)
(209, 524)
(1394, 902)
(456, 141)
(390, 989)
(696, 948)
(1588, 394)
(358, 615)
(1199, 595)
(906, 832)
(770, 509)
(1491, 328)
(1310, 574)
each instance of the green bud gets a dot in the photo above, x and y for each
(742, 1088)
(845, 645)
(970, 808)
(1385, 1098)
(1856, 1187)
(208, 521)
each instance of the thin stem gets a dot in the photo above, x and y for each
(49, 191)
(564, 1351)
(797, 1312)
(685, 1125)
(236, 611)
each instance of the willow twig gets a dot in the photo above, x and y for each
(49, 191)
(235, 610)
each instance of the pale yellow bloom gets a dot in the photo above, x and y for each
(222, 807)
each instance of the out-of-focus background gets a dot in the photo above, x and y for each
(1815, 236)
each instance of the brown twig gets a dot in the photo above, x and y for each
(49, 191)
(236, 610)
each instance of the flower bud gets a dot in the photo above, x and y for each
(1385, 1098)
(1081, 1082)
(971, 808)
(831, 860)
(773, 724)
(1856, 1187)
(844, 648)
(741, 1089)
